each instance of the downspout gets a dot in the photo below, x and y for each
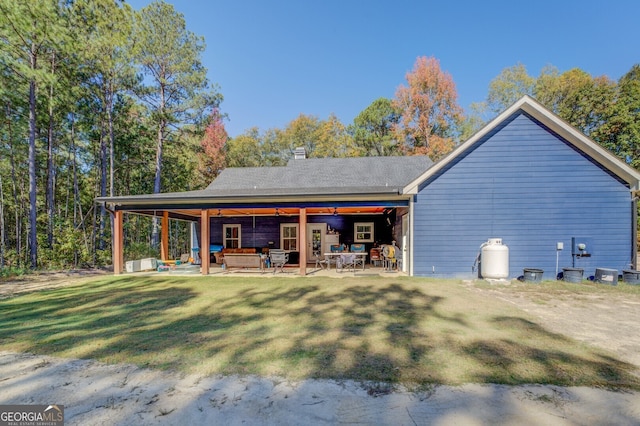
(634, 232)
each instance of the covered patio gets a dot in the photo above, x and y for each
(302, 208)
(306, 249)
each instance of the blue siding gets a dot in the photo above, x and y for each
(257, 232)
(526, 185)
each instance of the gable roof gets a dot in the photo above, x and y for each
(323, 176)
(353, 177)
(554, 123)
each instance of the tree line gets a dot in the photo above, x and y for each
(100, 100)
(424, 117)
(97, 100)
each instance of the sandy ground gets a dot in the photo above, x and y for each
(99, 394)
(46, 280)
(609, 321)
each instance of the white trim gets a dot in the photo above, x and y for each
(371, 238)
(290, 225)
(323, 231)
(393, 194)
(404, 245)
(226, 226)
(553, 122)
(411, 236)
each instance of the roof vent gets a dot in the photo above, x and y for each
(299, 153)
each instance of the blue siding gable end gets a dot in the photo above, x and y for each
(525, 184)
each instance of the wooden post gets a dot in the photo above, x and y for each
(118, 243)
(164, 237)
(303, 241)
(204, 240)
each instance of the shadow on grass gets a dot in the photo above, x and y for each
(384, 331)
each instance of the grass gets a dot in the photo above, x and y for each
(409, 330)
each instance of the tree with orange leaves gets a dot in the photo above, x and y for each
(212, 160)
(430, 110)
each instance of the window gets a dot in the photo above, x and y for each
(363, 232)
(231, 236)
(289, 236)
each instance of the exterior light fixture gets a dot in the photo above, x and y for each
(335, 211)
(277, 212)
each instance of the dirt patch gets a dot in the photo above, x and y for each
(606, 320)
(46, 280)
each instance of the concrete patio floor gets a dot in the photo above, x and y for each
(288, 271)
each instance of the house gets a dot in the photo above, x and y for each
(527, 177)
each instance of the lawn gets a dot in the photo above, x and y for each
(410, 330)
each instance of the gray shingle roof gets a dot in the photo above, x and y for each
(307, 177)
(318, 176)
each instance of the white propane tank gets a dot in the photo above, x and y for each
(494, 259)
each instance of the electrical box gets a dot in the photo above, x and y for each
(581, 247)
(559, 245)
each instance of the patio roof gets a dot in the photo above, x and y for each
(363, 182)
(323, 176)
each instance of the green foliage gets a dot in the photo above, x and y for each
(512, 84)
(90, 136)
(11, 272)
(476, 119)
(604, 110)
(373, 129)
(245, 150)
(176, 89)
(577, 97)
(620, 129)
(140, 250)
(320, 138)
(333, 140)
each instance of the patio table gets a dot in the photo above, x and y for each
(343, 256)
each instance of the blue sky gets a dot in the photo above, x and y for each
(275, 59)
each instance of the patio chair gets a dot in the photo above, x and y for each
(321, 261)
(335, 248)
(374, 256)
(346, 261)
(359, 260)
(278, 259)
